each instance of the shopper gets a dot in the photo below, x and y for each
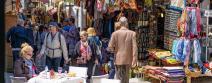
(16, 36)
(93, 38)
(29, 33)
(111, 55)
(123, 43)
(25, 67)
(72, 36)
(54, 46)
(39, 40)
(85, 52)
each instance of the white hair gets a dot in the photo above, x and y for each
(20, 22)
(123, 22)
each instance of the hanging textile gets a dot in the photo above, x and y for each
(99, 5)
(90, 4)
(197, 51)
(178, 4)
(186, 50)
(45, 1)
(17, 5)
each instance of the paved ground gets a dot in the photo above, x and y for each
(135, 80)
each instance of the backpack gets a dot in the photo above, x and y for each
(59, 36)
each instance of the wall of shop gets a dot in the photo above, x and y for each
(10, 20)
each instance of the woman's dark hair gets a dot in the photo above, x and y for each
(72, 20)
(42, 28)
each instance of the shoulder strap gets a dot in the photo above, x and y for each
(59, 36)
(47, 37)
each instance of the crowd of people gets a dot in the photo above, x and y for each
(37, 46)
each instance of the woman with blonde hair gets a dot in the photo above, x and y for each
(92, 37)
(25, 67)
(85, 53)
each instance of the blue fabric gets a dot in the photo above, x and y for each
(30, 36)
(66, 28)
(96, 40)
(112, 68)
(186, 50)
(16, 56)
(174, 47)
(197, 51)
(191, 28)
(179, 49)
(53, 63)
(30, 64)
(17, 35)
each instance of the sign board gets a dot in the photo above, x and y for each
(208, 13)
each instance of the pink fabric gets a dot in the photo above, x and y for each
(198, 19)
(194, 1)
(85, 53)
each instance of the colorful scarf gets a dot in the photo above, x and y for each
(85, 51)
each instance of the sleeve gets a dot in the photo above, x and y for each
(18, 69)
(44, 45)
(9, 35)
(111, 45)
(135, 49)
(64, 48)
(76, 50)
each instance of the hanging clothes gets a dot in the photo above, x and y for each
(90, 7)
(193, 21)
(186, 50)
(197, 51)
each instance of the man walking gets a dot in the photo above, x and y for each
(16, 36)
(123, 44)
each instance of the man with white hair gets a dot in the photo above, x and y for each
(16, 36)
(123, 44)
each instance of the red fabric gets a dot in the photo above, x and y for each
(17, 5)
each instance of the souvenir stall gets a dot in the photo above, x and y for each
(183, 43)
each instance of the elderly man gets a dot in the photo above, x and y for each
(16, 36)
(123, 44)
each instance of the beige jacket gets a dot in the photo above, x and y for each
(123, 43)
(51, 47)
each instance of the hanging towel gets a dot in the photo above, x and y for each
(186, 50)
(197, 51)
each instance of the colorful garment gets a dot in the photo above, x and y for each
(85, 53)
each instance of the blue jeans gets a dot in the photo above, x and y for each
(53, 63)
(16, 56)
(112, 70)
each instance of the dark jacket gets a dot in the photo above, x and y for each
(71, 35)
(21, 69)
(17, 35)
(30, 36)
(93, 49)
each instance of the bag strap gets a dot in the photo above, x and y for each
(59, 36)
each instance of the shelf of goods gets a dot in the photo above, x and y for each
(170, 28)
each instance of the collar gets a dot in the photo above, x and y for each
(123, 28)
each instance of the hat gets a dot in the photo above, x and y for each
(53, 24)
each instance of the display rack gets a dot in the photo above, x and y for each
(170, 27)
